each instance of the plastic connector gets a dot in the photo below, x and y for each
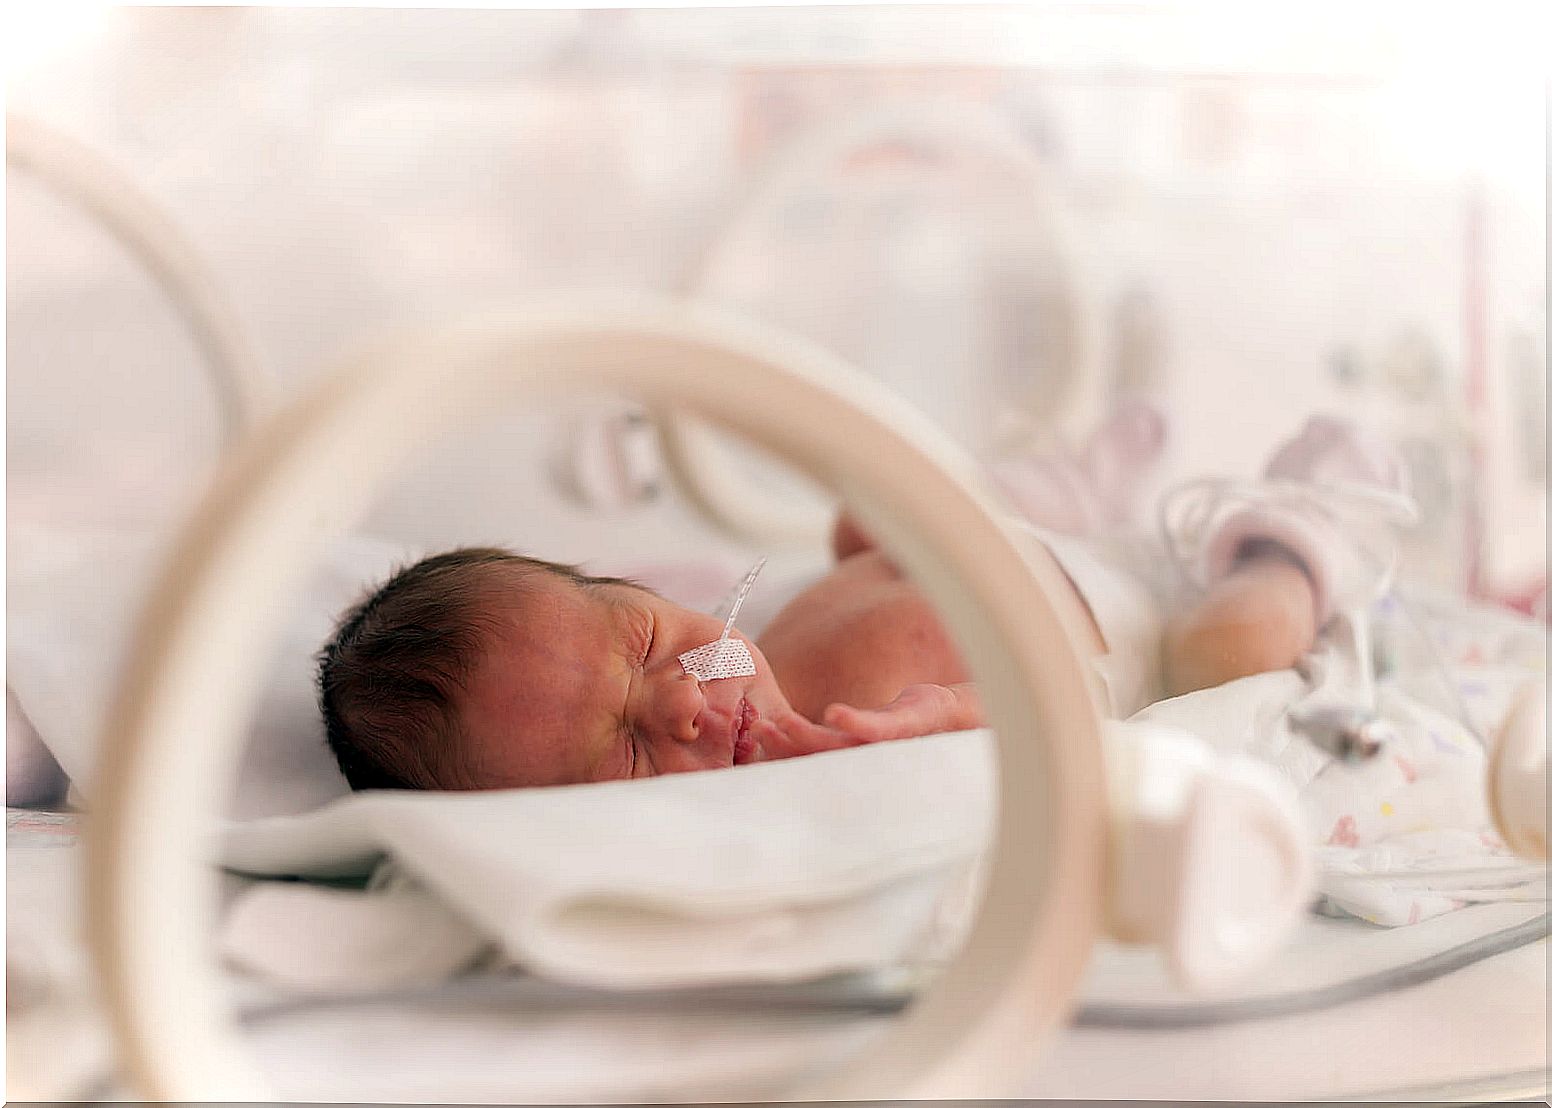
(1211, 859)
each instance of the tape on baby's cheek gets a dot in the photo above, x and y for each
(726, 656)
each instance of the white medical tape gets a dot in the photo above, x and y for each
(719, 659)
(724, 656)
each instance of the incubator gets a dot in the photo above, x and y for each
(1030, 294)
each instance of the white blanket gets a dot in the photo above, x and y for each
(848, 861)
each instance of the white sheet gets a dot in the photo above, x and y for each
(847, 861)
(1484, 1020)
(506, 1044)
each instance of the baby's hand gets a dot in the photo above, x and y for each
(919, 710)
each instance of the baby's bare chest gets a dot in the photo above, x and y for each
(858, 636)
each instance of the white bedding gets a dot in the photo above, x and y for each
(497, 1039)
(1435, 776)
(491, 1037)
(848, 861)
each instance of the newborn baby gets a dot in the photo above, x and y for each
(484, 669)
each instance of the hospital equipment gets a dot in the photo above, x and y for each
(1445, 950)
(1166, 851)
(1517, 775)
(122, 960)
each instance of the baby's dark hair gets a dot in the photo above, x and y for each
(389, 678)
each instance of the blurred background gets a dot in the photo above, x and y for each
(1243, 216)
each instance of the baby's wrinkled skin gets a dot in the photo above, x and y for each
(584, 684)
(599, 694)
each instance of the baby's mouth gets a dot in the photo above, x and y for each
(744, 746)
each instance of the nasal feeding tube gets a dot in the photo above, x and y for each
(724, 656)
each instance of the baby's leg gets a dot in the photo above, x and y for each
(1259, 617)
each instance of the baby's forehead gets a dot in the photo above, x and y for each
(548, 635)
(527, 605)
(548, 616)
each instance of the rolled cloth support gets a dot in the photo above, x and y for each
(215, 613)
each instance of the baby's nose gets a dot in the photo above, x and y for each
(680, 702)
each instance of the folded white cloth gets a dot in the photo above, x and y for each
(312, 939)
(842, 862)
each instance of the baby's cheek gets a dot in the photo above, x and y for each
(613, 761)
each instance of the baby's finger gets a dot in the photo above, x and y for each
(795, 735)
(838, 715)
(860, 723)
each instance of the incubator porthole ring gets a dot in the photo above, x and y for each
(243, 389)
(700, 462)
(310, 473)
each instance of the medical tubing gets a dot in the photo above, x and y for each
(1130, 1017)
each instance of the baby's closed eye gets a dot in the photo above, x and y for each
(645, 640)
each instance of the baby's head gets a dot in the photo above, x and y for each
(480, 668)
